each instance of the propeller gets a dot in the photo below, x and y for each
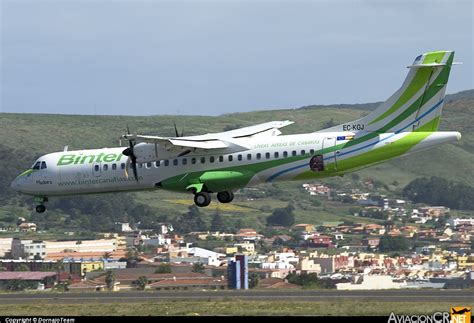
(186, 151)
(132, 159)
(176, 130)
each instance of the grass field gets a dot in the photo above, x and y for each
(227, 307)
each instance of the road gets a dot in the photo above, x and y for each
(457, 296)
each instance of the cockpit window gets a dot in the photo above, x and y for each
(37, 165)
(43, 165)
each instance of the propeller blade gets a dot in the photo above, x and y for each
(134, 168)
(132, 159)
(184, 152)
(175, 129)
(127, 165)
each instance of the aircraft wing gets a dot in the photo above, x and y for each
(260, 129)
(184, 142)
(218, 140)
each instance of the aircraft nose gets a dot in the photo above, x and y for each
(15, 185)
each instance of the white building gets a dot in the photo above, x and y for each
(371, 282)
(123, 227)
(156, 240)
(101, 245)
(277, 265)
(458, 221)
(30, 249)
(5, 246)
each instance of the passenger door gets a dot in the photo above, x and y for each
(330, 158)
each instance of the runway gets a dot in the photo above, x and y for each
(455, 296)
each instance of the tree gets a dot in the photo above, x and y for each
(217, 224)
(282, 216)
(15, 285)
(388, 243)
(439, 191)
(110, 279)
(305, 280)
(253, 280)
(198, 268)
(190, 221)
(22, 267)
(141, 282)
(163, 269)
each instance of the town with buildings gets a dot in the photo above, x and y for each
(397, 250)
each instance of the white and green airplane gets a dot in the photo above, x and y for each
(224, 162)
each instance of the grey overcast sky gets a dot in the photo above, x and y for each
(214, 57)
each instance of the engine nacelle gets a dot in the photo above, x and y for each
(147, 153)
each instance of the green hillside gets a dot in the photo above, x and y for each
(27, 136)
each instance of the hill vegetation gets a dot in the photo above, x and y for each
(27, 136)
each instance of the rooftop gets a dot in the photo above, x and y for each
(26, 275)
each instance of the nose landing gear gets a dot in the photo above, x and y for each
(41, 200)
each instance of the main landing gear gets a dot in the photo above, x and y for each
(41, 200)
(225, 197)
(203, 198)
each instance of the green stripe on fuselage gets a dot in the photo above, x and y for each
(378, 155)
(26, 172)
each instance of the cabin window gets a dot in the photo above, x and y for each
(211, 159)
(303, 152)
(175, 162)
(105, 167)
(148, 165)
(231, 157)
(96, 168)
(193, 160)
(285, 154)
(239, 157)
(267, 155)
(37, 165)
(157, 164)
(122, 165)
(185, 161)
(293, 153)
(311, 151)
(276, 154)
(249, 156)
(259, 156)
(167, 162)
(203, 160)
(114, 166)
(221, 158)
(43, 165)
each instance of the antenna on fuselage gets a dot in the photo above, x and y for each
(66, 148)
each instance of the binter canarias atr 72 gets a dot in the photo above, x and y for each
(223, 162)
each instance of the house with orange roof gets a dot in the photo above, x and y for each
(247, 234)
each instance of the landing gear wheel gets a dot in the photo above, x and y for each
(202, 199)
(40, 208)
(225, 197)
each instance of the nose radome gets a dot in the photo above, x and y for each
(15, 185)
